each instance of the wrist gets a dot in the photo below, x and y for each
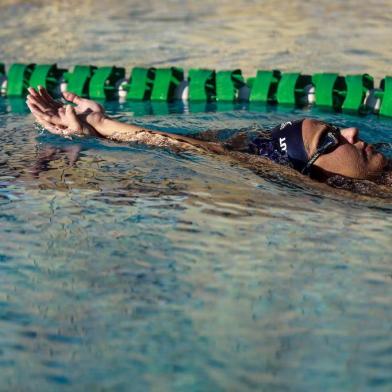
(96, 120)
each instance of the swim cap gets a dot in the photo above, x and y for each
(263, 145)
(287, 138)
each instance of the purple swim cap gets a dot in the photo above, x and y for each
(287, 139)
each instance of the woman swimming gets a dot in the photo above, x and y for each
(309, 146)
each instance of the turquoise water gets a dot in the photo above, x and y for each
(139, 269)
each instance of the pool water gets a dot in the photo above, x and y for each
(125, 267)
(137, 267)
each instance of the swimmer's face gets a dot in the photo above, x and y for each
(351, 158)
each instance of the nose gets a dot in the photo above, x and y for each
(350, 134)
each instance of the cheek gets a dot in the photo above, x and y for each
(345, 161)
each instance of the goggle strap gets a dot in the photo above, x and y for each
(319, 152)
(311, 161)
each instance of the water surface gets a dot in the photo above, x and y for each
(125, 267)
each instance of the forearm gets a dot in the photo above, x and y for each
(119, 131)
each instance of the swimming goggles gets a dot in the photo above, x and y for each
(328, 142)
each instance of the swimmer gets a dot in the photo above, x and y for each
(311, 147)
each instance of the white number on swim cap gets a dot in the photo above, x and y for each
(282, 143)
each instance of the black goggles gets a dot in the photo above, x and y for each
(328, 142)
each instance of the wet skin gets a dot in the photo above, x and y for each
(351, 158)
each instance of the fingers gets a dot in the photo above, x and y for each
(58, 120)
(70, 113)
(52, 128)
(35, 110)
(83, 105)
(71, 97)
(41, 103)
(38, 112)
(37, 102)
(43, 99)
(45, 120)
(72, 119)
(32, 92)
(48, 99)
(49, 126)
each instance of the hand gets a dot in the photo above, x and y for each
(63, 119)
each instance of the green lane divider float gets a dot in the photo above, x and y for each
(78, 80)
(358, 86)
(330, 89)
(165, 83)
(18, 79)
(386, 103)
(202, 84)
(103, 83)
(140, 85)
(291, 88)
(46, 75)
(349, 93)
(264, 86)
(228, 84)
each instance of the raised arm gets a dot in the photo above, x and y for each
(88, 118)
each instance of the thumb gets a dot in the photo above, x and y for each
(71, 97)
(70, 114)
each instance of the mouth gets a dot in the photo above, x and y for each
(369, 149)
(369, 152)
